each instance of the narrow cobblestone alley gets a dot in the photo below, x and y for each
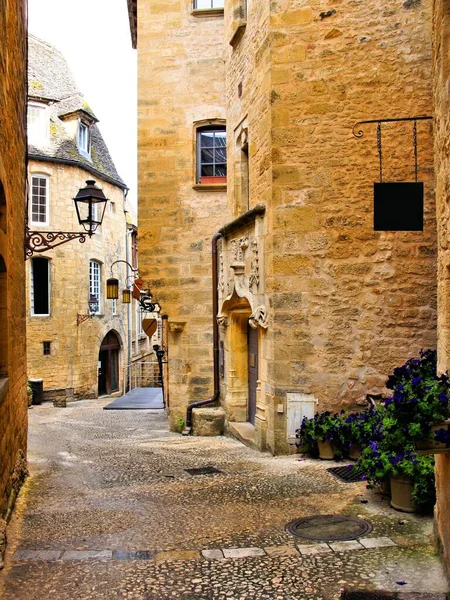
(110, 511)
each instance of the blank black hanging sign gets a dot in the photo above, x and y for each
(398, 206)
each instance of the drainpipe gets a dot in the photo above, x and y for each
(188, 427)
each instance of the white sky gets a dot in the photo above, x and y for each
(94, 37)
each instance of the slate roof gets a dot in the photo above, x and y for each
(50, 81)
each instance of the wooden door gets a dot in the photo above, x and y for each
(252, 339)
(108, 358)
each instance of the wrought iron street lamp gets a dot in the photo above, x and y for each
(90, 204)
(144, 297)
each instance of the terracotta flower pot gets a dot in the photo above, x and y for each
(401, 494)
(431, 446)
(326, 449)
(354, 451)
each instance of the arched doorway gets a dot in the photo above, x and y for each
(108, 359)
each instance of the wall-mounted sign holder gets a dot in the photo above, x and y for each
(398, 205)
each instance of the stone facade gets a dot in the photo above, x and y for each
(441, 71)
(345, 303)
(335, 304)
(181, 87)
(71, 368)
(13, 395)
(71, 353)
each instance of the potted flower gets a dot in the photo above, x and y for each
(411, 476)
(419, 406)
(358, 429)
(321, 435)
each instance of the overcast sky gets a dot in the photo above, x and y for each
(94, 37)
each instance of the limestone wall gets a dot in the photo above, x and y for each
(441, 72)
(73, 361)
(13, 400)
(347, 304)
(181, 83)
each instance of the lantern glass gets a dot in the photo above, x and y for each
(126, 296)
(112, 289)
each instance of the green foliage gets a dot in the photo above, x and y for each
(420, 399)
(325, 426)
(179, 426)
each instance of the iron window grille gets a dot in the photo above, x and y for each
(46, 347)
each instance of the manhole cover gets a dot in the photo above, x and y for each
(345, 474)
(203, 471)
(329, 528)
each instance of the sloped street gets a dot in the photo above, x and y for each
(110, 511)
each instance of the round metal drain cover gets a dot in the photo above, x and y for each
(329, 528)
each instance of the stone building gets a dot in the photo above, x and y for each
(79, 351)
(441, 72)
(13, 395)
(181, 100)
(315, 307)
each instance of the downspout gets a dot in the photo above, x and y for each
(129, 319)
(188, 427)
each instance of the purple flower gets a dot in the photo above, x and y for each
(416, 380)
(443, 398)
(374, 446)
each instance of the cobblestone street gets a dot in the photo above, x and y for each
(111, 512)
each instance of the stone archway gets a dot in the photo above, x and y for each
(109, 364)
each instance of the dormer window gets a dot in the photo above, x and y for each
(83, 138)
(38, 124)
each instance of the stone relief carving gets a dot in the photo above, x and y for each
(221, 274)
(222, 320)
(254, 267)
(238, 247)
(259, 318)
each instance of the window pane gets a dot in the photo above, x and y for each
(218, 3)
(207, 171)
(207, 139)
(208, 156)
(220, 155)
(203, 3)
(220, 138)
(221, 171)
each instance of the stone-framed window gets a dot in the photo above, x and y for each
(40, 287)
(95, 272)
(211, 154)
(40, 197)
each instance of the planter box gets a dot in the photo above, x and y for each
(354, 451)
(431, 446)
(326, 450)
(401, 494)
(210, 180)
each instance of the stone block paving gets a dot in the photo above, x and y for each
(110, 513)
(214, 554)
